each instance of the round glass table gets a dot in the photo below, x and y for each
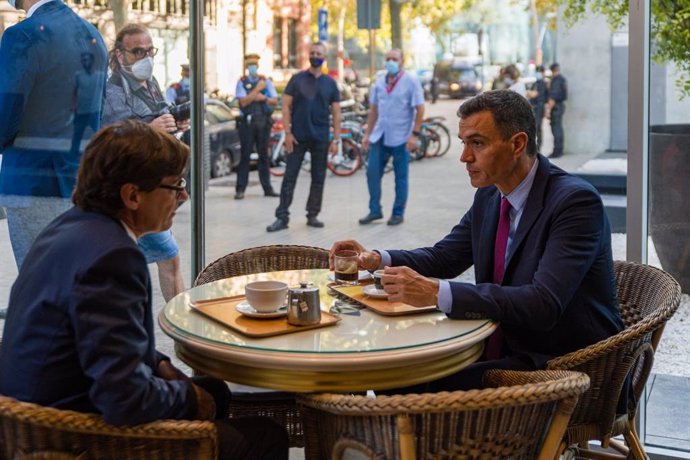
(364, 350)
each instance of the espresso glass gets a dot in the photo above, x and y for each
(346, 269)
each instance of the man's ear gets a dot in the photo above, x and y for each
(131, 196)
(519, 143)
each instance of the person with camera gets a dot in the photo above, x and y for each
(257, 97)
(132, 92)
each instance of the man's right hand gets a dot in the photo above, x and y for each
(290, 142)
(205, 404)
(367, 260)
(365, 142)
(165, 123)
(261, 85)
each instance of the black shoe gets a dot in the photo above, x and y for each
(279, 224)
(395, 220)
(369, 218)
(239, 195)
(314, 222)
(271, 193)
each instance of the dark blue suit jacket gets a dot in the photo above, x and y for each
(559, 292)
(79, 331)
(39, 60)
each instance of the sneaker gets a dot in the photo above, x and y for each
(279, 224)
(369, 218)
(314, 222)
(395, 220)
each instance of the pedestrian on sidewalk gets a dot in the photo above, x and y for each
(538, 96)
(310, 98)
(46, 113)
(257, 98)
(558, 94)
(133, 93)
(395, 117)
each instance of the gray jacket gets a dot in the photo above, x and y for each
(122, 102)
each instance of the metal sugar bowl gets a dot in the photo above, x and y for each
(304, 305)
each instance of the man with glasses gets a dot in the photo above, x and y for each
(310, 98)
(37, 113)
(85, 340)
(396, 111)
(132, 92)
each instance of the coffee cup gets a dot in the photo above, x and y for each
(266, 296)
(377, 279)
(345, 265)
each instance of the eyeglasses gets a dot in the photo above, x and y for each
(180, 187)
(142, 52)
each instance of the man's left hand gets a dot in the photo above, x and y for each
(412, 143)
(406, 285)
(167, 371)
(333, 148)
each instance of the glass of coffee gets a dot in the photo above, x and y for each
(345, 264)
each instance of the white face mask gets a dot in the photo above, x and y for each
(143, 69)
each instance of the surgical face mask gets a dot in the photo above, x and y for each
(185, 81)
(392, 67)
(540, 76)
(143, 69)
(253, 70)
(315, 62)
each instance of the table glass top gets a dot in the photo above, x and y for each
(359, 331)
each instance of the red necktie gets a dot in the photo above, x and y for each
(495, 343)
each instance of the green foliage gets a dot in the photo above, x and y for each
(670, 30)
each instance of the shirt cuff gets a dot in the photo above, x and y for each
(445, 296)
(386, 259)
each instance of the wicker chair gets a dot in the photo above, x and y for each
(648, 297)
(32, 431)
(523, 415)
(280, 406)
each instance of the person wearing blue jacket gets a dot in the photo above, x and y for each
(48, 110)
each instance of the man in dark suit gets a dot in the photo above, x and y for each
(543, 264)
(79, 331)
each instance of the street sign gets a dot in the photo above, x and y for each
(369, 14)
(323, 24)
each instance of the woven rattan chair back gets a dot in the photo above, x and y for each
(280, 406)
(263, 259)
(648, 297)
(522, 416)
(30, 431)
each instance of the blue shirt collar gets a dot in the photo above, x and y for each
(518, 197)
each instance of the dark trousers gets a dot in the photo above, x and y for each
(539, 118)
(254, 138)
(319, 158)
(557, 128)
(469, 378)
(245, 437)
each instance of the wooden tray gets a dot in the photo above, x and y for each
(381, 306)
(223, 310)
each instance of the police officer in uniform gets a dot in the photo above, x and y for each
(257, 97)
(555, 108)
(538, 97)
(178, 93)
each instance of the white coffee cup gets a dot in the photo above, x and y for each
(266, 296)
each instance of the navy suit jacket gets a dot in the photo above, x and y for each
(40, 59)
(79, 329)
(559, 291)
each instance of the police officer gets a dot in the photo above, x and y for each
(178, 93)
(537, 97)
(257, 97)
(555, 108)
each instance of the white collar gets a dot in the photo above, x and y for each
(129, 231)
(36, 6)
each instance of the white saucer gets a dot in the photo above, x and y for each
(248, 310)
(362, 275)
(371, 291)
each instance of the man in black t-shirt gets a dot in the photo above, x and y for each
(309, 99)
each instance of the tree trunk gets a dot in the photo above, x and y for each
(120, 8)
(396, 32)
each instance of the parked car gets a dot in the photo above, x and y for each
(223, 138)
(457, 78)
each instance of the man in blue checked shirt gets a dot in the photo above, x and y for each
(396, 112)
